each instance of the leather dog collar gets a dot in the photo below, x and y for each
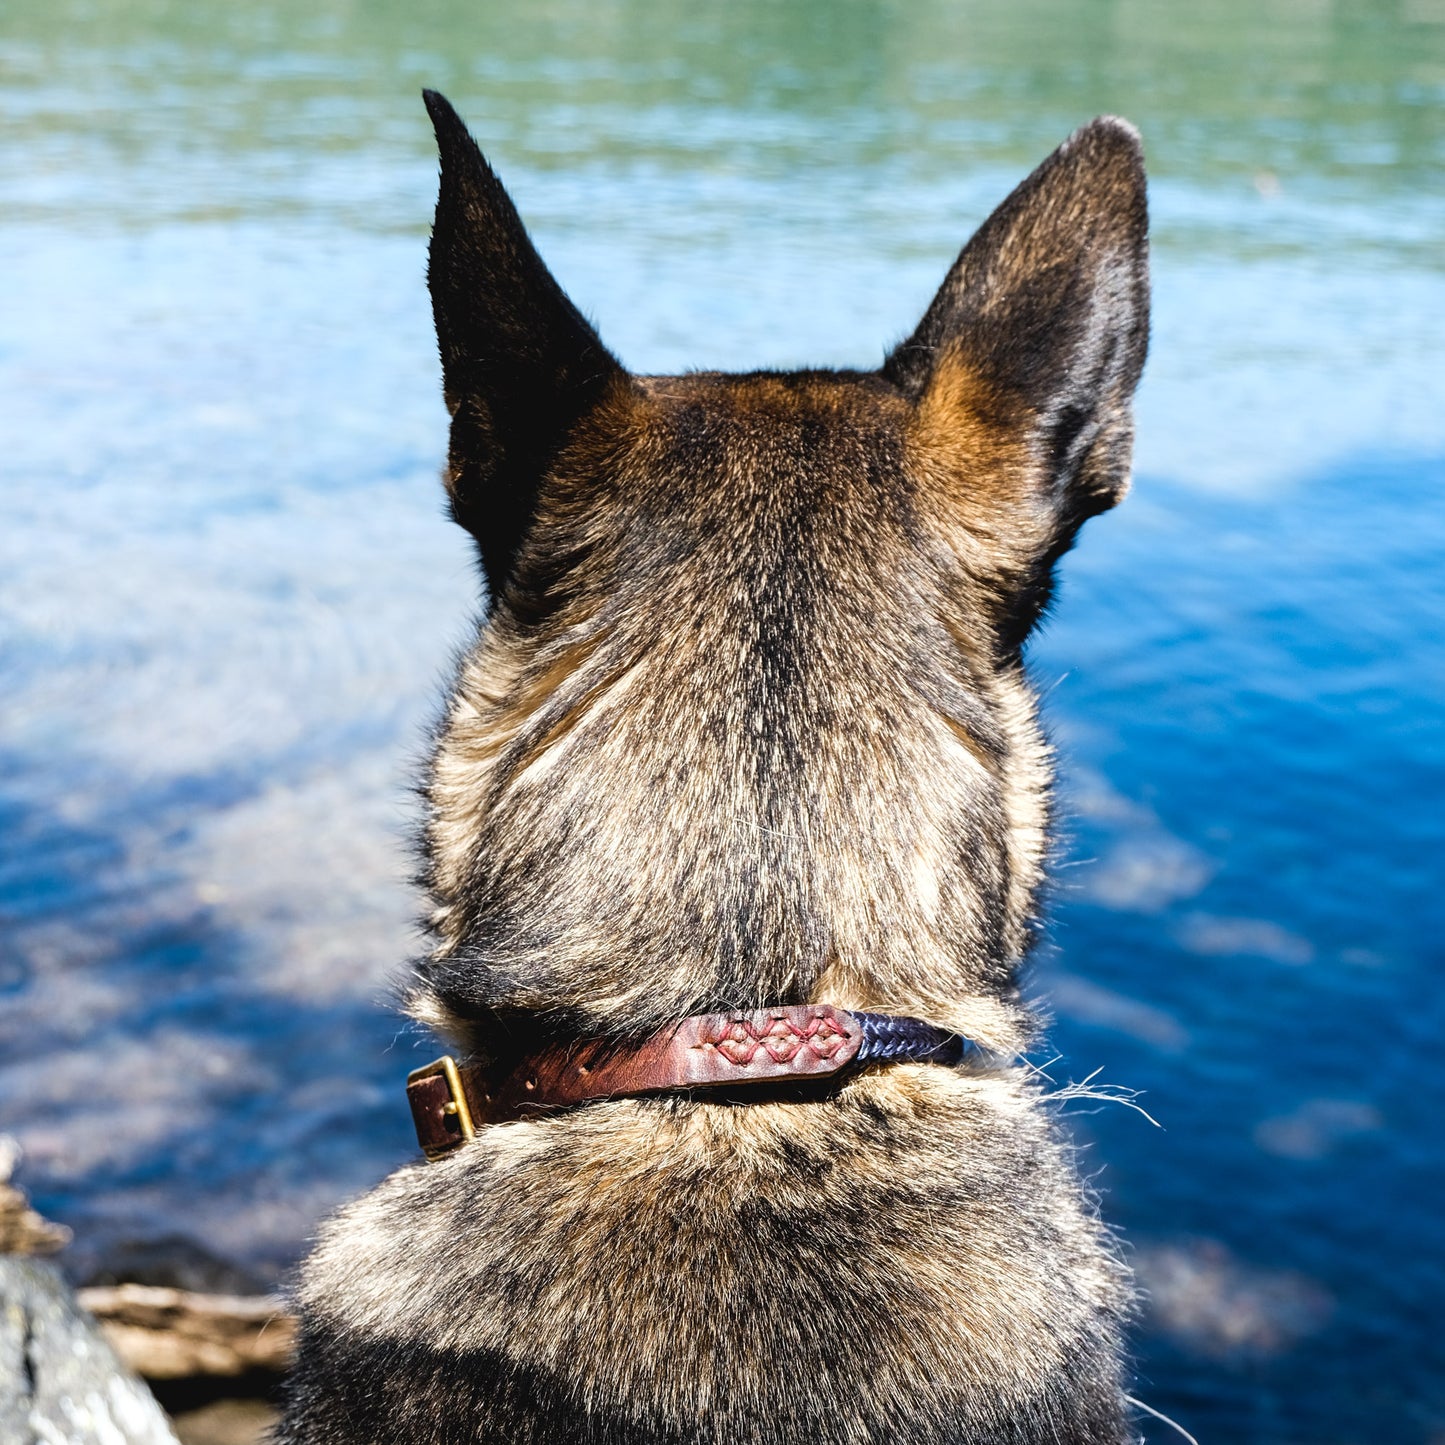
(789, 1043)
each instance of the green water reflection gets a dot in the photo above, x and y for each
(1344, 98)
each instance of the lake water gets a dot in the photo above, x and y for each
(228, 596)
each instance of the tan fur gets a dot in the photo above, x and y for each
(894, 903)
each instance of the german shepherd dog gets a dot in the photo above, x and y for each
(747, 727)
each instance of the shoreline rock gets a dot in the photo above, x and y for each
(22, 1230)
(61, 1383)
(73, 1365)
(174, 1334)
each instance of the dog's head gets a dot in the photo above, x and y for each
(746, 723)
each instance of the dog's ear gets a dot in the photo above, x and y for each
(520, 364)
(1029, 355)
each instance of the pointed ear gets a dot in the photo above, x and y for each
(520, 365)
(1039, 332)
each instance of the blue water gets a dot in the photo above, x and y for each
(228, 596)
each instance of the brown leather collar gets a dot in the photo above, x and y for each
(785, 1044)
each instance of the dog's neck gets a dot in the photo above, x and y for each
(737, 771)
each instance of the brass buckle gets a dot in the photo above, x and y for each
(456, 1105)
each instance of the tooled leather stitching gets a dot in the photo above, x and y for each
(780, 1038)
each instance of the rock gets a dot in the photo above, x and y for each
(60, 1382)
(227, 1422)
(173, 1334)
(22, 1230)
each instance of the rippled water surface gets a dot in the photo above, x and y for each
(228, 595)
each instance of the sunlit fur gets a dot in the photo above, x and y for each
(747, 723)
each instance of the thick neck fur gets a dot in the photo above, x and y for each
(742, 728)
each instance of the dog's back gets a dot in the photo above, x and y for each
(748, 726)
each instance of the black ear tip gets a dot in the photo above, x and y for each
(444, 118)
(460, 155)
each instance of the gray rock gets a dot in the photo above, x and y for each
(60, 1382)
